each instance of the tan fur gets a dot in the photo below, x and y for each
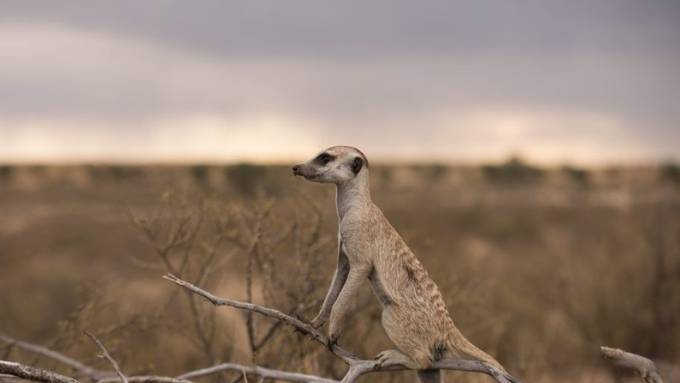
(414, 314)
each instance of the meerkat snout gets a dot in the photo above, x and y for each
(337, 164)
(305, 170)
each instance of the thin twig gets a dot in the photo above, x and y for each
(106, 355)
(57, 356)
(252, 253)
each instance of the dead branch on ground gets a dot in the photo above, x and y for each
(13, 369)
(644, 366)
(32, 373)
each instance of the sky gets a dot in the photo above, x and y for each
(583, 82)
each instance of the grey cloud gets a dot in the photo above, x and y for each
(358, 69)
(371, 27)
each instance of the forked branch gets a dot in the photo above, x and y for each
(301, 326)
(13, 369)
(358, 367)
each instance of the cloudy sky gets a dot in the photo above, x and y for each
(591, 82)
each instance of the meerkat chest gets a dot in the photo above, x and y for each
(354, 240)
(352, 247)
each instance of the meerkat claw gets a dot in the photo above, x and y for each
(317, 323)
(332, 341)
(390, 358)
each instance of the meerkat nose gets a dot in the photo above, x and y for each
(296, 170)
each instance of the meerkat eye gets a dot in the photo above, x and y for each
(324, 158)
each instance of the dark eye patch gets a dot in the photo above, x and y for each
(324, 158)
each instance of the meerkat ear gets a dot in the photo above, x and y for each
(357, 164)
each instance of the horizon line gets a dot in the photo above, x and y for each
(380, 161)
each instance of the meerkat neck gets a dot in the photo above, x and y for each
(353, 193)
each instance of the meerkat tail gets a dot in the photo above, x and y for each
(429, 376)
(475, 353)
(460, 345)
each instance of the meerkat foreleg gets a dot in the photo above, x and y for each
(357, 274)
(339, 279)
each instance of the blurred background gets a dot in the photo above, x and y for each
(526, 150)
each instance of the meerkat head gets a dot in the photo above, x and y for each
(337, 164)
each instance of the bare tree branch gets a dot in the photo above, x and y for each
(99, 376)
(12, 369)
(257, 370)
(33, 373)
(362, 367)
(106, 355)
(57, 356)
(301, 326)
(644, 366)
(358, 367)
(19, 370)
(146, 379)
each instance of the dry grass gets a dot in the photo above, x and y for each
(539, 267)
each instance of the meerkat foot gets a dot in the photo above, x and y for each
(332, 341)
(389, 358)
(317, 322)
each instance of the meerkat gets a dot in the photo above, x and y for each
(414, 314)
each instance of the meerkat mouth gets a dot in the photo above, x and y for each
(297, 171)
(312, 176)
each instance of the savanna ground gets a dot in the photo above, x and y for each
(538, 266)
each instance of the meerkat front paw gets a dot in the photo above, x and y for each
(389, 358)
(332, 340)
